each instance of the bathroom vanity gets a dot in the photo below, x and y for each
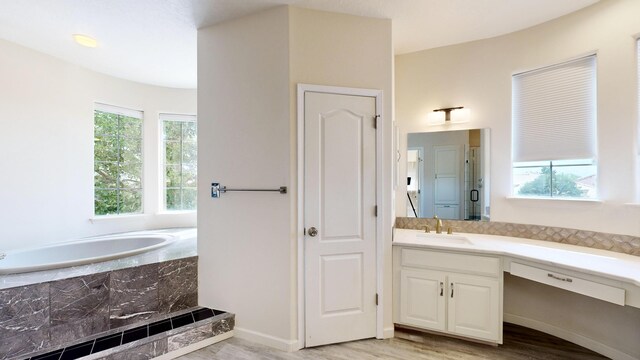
(454, 292)
(454, 284)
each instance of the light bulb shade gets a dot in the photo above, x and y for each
(436, 118)
(460, 115)
(85, 40)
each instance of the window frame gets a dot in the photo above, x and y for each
(550, 165)
(181, 118)
(593, 161)
(120, 112)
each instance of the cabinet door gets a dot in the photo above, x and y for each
(423, 294)
(474, 307)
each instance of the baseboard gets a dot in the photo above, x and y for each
(388, 332)
(193, 347)
(583, 341)
(267, 340)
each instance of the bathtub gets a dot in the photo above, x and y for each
(83, 251)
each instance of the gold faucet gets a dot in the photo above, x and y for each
(438, 225)
(427, 229)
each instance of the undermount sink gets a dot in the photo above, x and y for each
(444, 239)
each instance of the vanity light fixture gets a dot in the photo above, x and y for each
(85, 40)
(458, 114)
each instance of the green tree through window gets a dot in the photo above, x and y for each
(117, 164)
(180, 161)
(553, 184)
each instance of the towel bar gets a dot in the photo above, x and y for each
(217, 189)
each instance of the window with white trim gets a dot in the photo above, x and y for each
(179, 139)
(117, 160)
(554, 131)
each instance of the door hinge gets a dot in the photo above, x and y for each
(375, 121)
(376, 299)
(375, 211)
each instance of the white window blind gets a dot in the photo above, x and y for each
(177, 117)
(138, 114)
(554, 112)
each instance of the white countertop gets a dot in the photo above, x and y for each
(609, 264)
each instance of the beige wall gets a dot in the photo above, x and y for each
(247, 109)
(46, 141)
(478, 75)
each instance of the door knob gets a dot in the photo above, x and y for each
(312, 231)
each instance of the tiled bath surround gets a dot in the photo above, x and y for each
(47, 315)
(626, 244)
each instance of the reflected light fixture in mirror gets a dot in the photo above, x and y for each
(458, 114)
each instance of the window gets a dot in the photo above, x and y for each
(554, 131)
(179, 134)
(117, 160)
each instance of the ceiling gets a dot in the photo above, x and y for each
(154, 41)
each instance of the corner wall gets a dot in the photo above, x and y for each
(46, 140)
(248, 69)
(478, 75)
(245, 239)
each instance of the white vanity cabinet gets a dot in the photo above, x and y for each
(451, 292)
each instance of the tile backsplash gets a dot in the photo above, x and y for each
(626, 244)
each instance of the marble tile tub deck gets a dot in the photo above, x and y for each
(185, 247)
(45, 315)
(169, 333)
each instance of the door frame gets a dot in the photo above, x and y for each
(377, 94)
(420, 172)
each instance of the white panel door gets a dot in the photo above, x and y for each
(474, 305)
(423, 299)
(340, 199)
(447, 212)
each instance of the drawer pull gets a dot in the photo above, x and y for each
(441, 288)
(559, 278)
(452, 290)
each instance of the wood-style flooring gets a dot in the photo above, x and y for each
(519, 343)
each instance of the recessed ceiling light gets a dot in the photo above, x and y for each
(85, 40)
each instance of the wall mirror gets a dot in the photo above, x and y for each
(448, 174)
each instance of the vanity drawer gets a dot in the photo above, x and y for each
(581, 286)
(474, 264)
